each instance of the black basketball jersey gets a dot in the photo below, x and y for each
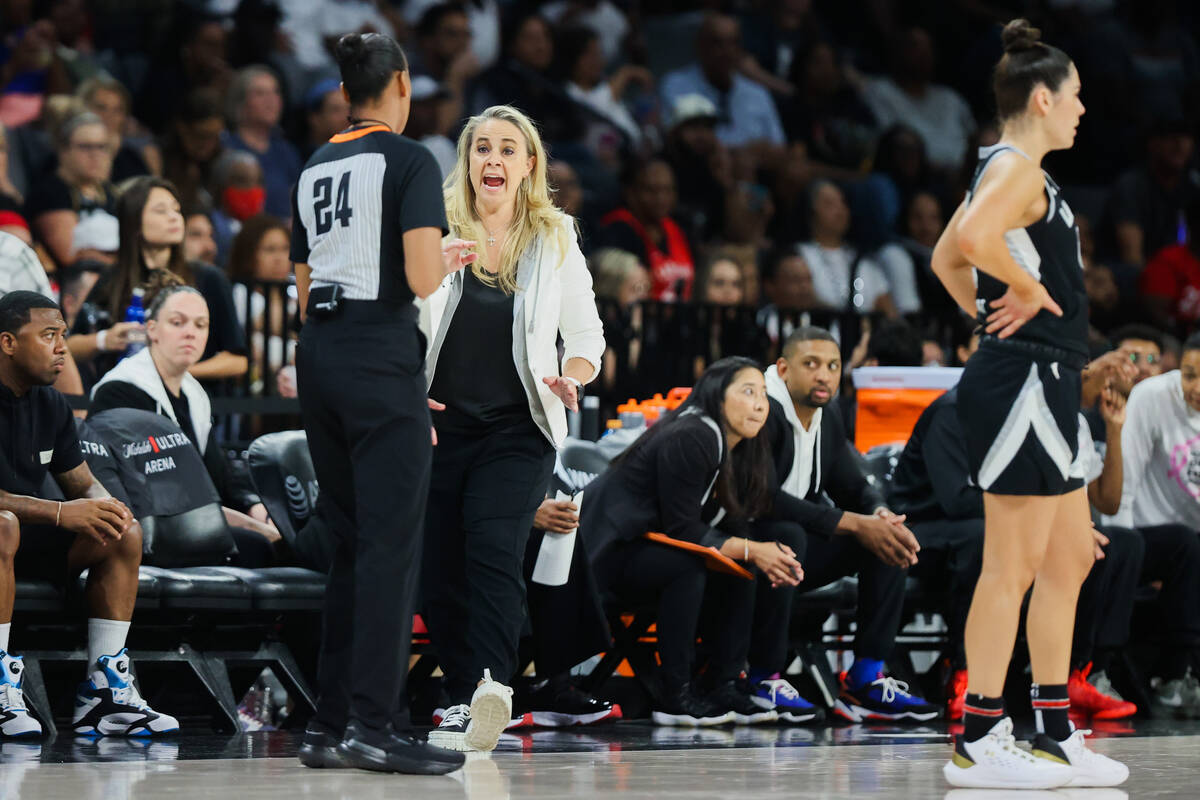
(355, 198)
(1049, 251)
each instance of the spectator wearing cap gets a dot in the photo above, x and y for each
(746, 113)
(1147, 206)
(424, 118)
(78, 194)
(328, 112)
(255, 108)
(702, 166)
(581, 62)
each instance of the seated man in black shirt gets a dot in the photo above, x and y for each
(57, 540)
(813, 460)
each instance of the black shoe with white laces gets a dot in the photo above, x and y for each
(451, 732)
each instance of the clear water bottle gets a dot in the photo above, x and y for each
(136, 312)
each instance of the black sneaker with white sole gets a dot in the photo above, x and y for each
(731, 696)
(388, 752)
(558, 704)
(683, 708)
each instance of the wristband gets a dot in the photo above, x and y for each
(101, 338)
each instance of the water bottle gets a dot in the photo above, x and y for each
(136, 312)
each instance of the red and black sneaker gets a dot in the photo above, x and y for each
(956, 694)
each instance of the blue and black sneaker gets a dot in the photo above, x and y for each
(881, 699)
(773, 691)
(15, 719)
(109, 704)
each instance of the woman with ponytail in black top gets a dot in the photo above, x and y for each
(698, 476)
(1010, 257)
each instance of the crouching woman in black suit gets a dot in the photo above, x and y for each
(705, 464)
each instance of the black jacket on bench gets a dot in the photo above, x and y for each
(840, 477)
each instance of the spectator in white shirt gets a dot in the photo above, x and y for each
(938, 113)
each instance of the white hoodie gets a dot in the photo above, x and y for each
(807, 442)
(1160, 448)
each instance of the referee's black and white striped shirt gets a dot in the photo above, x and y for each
(356, 197)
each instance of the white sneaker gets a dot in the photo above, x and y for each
(1091, 768)
(15, 719)
(451, 732)
(491, 713)
(995, 762)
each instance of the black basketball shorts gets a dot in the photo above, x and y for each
(1020, 415)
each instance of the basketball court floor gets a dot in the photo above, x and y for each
(625, 760)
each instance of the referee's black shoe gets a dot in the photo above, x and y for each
(389, 752)
(319, 750)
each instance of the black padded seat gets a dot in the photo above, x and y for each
(33, 595)
(149, 590)
(200, 588)
(281, 588)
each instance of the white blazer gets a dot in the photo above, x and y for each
(555, 297)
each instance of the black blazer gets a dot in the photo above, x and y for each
(841, 476)
(660, 487)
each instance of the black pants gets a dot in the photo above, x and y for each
(949, 564)
(363, 397)
(482, 500)
(641, 571)
(880, 594)
(1105, 604)
(1173, 557)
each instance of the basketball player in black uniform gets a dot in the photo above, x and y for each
(369, 218)
(1019, 406)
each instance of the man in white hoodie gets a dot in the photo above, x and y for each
(1161, 460)
(856, 534)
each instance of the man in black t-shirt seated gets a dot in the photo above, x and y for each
(57, 540)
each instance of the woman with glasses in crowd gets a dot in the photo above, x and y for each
(493, 361)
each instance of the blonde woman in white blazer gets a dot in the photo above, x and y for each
(493, 363)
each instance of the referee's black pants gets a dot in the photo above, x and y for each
(363, 398)
(825, 560)
(484, 494)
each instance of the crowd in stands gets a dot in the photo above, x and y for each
(776, 156)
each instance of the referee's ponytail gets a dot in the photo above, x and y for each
(368, 63)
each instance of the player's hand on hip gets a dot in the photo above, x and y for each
(1017, 307)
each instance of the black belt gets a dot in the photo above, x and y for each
(1034, 350)
(366, 311)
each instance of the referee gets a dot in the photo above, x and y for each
(369, 219)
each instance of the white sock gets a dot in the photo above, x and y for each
(4, 630)
(106, 637)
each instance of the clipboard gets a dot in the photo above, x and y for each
(713, 559)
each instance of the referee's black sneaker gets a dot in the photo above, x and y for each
(389, 752)
(319, 750)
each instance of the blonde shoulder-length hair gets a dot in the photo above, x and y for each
(535, 214)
